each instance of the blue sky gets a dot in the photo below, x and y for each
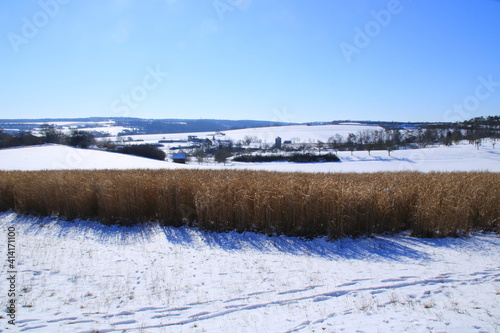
(279, 60)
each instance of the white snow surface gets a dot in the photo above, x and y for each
(82, 276)
(303, 133)
(454, 158)
(56, 157)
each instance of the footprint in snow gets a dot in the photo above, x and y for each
(61, 319)
(392, 280)
(199, 314)
(81, 321)
(165, 315)
(149, 308)
(125, 322)
(32, 328)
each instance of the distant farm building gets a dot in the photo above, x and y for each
(179, 158)
(277, 143)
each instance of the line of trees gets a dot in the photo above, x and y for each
(474, 131)
(47, 134)
(142, 150)
(79, 139)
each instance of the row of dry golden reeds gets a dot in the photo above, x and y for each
(295, 204)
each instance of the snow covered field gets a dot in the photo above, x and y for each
(85, 277)
(82, 276)
(463, 157)
(454, 158)
(298, 133)
(55, 157)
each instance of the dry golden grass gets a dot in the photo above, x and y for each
(296, 204)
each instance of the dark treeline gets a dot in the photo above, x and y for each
(143, 150)
(79, 139)
(47, 134)
(298, 158)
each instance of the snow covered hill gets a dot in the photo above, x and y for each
(298, 133)
(57, 157)
(454, 158)
(82, 276)
(463, 157)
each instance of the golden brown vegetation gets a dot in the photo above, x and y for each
(296, 204)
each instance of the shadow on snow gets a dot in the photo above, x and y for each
(381, 247)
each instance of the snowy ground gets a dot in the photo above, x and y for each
(464, 157)
(267, 135)
(455, 158)
(84, 277)
(55, 157)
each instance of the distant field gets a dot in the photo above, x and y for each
(295, 204)
(455, 158)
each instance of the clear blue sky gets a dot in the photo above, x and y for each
(285, 60)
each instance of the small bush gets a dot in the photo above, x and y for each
(81, 139)
(260, 158)
(144, 150)
(221, 155)
(305, 158)
(298, 158)
(20, 139)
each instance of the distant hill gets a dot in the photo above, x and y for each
(171, 125)
(144, 126)
(157, 126)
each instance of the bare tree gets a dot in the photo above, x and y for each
(200, 155)
(351, 142)
(321, 145)
(221, 155)
(249, 139)
(369, 148)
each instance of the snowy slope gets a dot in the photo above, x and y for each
(55, 157)
(85, 277)
(454, 158)
(268, 134)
